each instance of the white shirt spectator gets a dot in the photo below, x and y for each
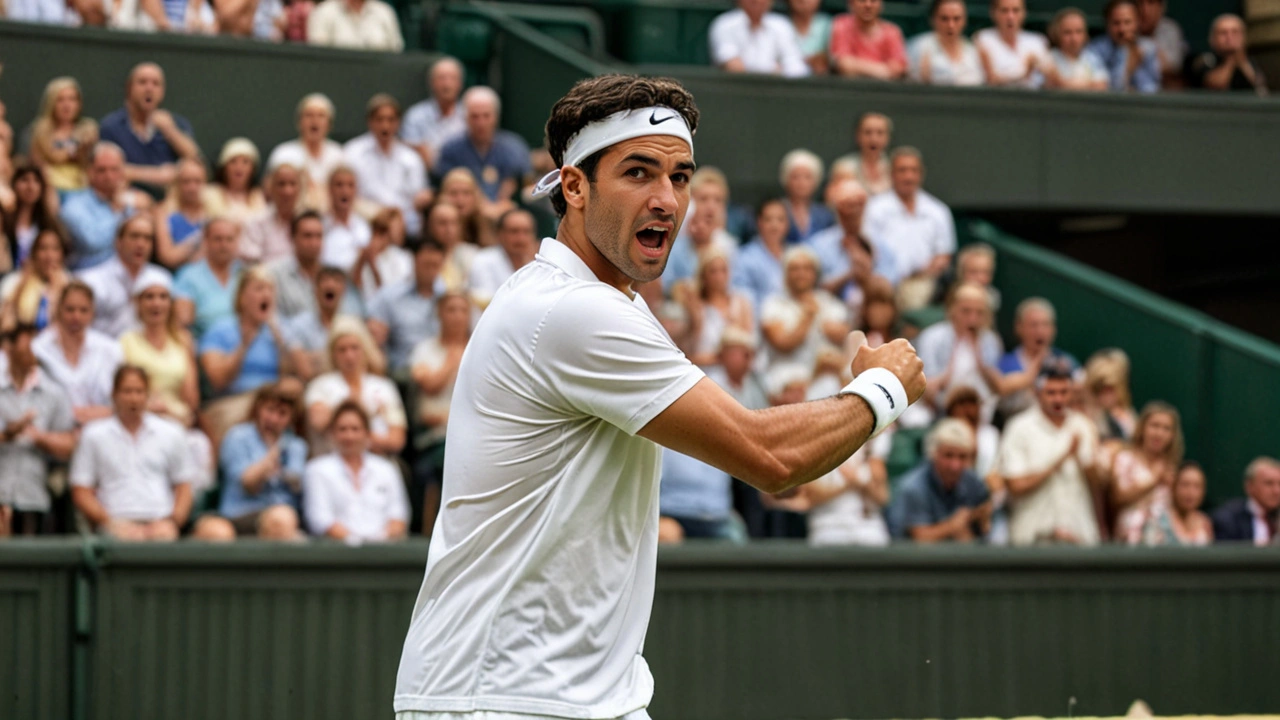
(424, 125)
(378, 397)
(773, 48)
(317, 169)
(1064, 502)
(1084, 68)
(343, 242)
(388, 179)
(849, 518)
(373, 27)
(394, 264)
(1171, 44)
(936, 345)
(363, 505)
(783, 308)
(112, 285)
(490, 268)
(943, 70)
(431, 353)
(1008, 63)
(89, 382)
(134, 475)
(913, 238)
(52, 12)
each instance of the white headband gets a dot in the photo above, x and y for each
(623, 125)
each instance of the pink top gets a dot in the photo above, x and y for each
(884, 44)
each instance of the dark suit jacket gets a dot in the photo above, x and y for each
(1233, 521)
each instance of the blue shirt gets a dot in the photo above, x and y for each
(197, 283)
(410, 318)
(181, 229)
(921, 500)
(242, 446)
(693, 489)
(261, 362)
(828, 245)
(508, 157)
(155, 150)
(1011, 362)
(757, 273)
(92, 223)
(820, 218)
(1146, 77)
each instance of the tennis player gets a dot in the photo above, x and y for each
(541, 572)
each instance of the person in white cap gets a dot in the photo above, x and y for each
(541, 571)
(113, 280)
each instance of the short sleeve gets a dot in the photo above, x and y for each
(608, 357)
(723, 48)
(235, 456)
(915, 509)
(183, 286)
(317, 506)
(976, 491)
(84, 466)
(897, 43)
(221, 337)
(323, 390)
(182, 468)
(398, 507)
(391, 406)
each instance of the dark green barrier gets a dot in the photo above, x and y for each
(37, 628)
(1223, 381)
(225, 87)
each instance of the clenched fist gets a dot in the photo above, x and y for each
(898, 357)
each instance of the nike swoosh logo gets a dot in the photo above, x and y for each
(653, 118)
(887, 395)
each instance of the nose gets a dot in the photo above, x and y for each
(662, 199)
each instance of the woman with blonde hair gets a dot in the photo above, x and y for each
(713, 305)
(62, 138)
(234, 192)
(1108, 400)
(460, 189)
(1142, 474)
(800, 173)
(356, 376)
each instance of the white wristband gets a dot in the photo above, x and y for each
(883, 392)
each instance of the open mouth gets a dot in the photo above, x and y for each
(653, 239)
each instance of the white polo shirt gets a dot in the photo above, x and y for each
(772, 48)
(388, 179)
(490, 268)
(88, 382)
(541, 572)
(344, 241)
(914, 238)
(1064, 501)
(331, 495)
(1007, 62)
(134, 474)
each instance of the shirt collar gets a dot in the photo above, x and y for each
(557, 253)
(1255, 509)
(32, 382)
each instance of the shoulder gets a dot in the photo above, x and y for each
(891, 30)
(984, 36)
(359, 143)
(779, 23)
(166, 429)
(915, 482)
(114, 120)
(240, 433)
(1230, 508)
(97, 341)
(930, 202)
(935, 333)
(383, 467)
(1033, 40)
(728, 20)
(322, 466)
(512, 141)
(222, 330)
(98, 431)
(1020, 424)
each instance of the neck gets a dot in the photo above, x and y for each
(327, 315)
(426, 286)
(1057, 421)
(852, 225)
(773, 246)
(285, 213)
(341, 213)
(130, 420)
(220, 268)
(736, 379)
(458, 337)
(107, 196)
(384, 145)
(270, 438)
(574, 236)
(193, 208)
(908, 199)
(1009, 35)
(137, 115)
(864, 25)
(949, 42)
(71, 341)
(447, 106)
(20, 372)
(801, 21)
(133, 270)
(313, 145)
(481, 143)
(25, 212)
(308, 267)
(353, 460)
(155, 334)
(352, 377)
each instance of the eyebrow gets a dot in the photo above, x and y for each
(652, 162)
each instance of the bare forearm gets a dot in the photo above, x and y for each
(222, 368)
(181, 504)
(945, 530)
(59, 445)
(150, 174)
(86, 501)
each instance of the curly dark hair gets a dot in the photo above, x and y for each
(599, 97)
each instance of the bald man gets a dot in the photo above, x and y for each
(498, 158)
(428, 125)
(1227, 65)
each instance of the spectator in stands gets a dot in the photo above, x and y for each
(296, 15)
(844, 507)
(879, 313)
(870, 164)
(865, 45)
(1071, 65)
(356, 375)
(499, 159)
(1252, 518)
(112, 281)
(355, 24)
(757, 270)
(52, 12)
(846, 257)
(460, 189)
(1182, 523)
(800, 173)
(1046, 458)
(712, 306)
(703, 231)
(1227, 65)
(434, 368)
(804, 325)
(429, 124)
(266, 234)
(1035, 325)
(1141, 475)
(942, 499)
(62, 138)
(1165, 32)
(30, 295)
(131, 475)
(517, 245)
(444, 226)
(92, 215)
(203, 289)
(695, 501)
(34, 208)
(1132, 62)
(236, 17)
(963, 350)
(312, 151)
(915, 226)
(78, 358)
(709, 186)
(733, 369)
(752, 39)
(180, 219)
(813, 33)
(945, 56)
(1108, 400)
(384, 261)
(1011, 56)
(388, 172)
(401, 316)
(36, 426)
(346, 234)
(976, 264)
(307, 333)
(152, 140)
(261, 462)
(295, 274)
(234, 192)
(964, 403)
(353, 495)
(195, 17)
(163, 349)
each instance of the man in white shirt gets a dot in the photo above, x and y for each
(312, 151)
(112, 281)
(913, 225)
(752, 39)
(428, 124)
(517, 244)
(541, 574)
(388, 172)
(131, 476)
(355, 24)
(345, 232)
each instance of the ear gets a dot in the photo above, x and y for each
(573, 183)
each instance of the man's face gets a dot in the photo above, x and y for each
(220, 242)
(134, 245)
(1264, 488)
(518, 235)
(801, 183)
(342, 192)
(908, 172)
(314, 123)
(755, 9)
(329, 291)
(1150, 12)
(1036, 329)
(446, 83)
(131, 397)
(638, 200)
(191, 182)
(482, 119)
(1122, 26)
(146, 88)
(711, 193)
(1227, 37)
(349, 434)
(969, 313)
(426, 265)
(950, 462)
(850, 202)
(75, 313)
(308, 241)
(445, 225)
(285, 186)
(384, 123)
(20, 353)
(703, 225)
(1009, 15)
(1055, 397)
(106, 174)
(873, 134)
(867, 11)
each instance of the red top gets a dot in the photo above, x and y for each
(884, 44)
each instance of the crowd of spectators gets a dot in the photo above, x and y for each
(269, 348)
(1141, 50)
